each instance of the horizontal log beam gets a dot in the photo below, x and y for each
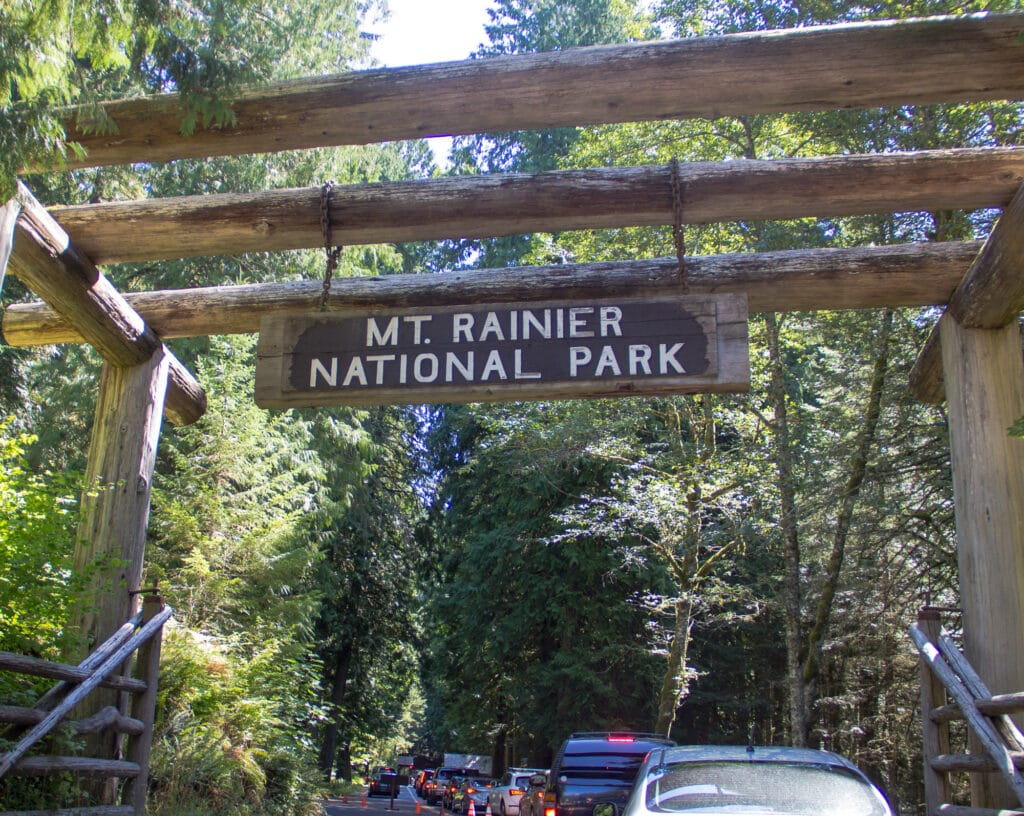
(902, 275)
(480, 206)
(962, 58)
(96, 810)
(108, 717)
(37, 667)
(43, 765)
(51, 265)
(970, 763)
(995, 706)
(965, 810)
(990, 296)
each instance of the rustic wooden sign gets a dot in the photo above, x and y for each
(494, 352)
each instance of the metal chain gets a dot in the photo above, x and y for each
(677, 223)
(332, 252)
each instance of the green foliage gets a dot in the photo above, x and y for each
(227, 501)
(37, 528)
(228, 739)
(60, 53)
(368, 622)
(522, 27)
(480, 578)
(521, 643)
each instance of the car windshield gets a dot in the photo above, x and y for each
(793, 789)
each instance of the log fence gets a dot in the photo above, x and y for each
(102, 668)
(952, 691)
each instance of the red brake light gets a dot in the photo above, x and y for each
(514, 792)
(615, 739)
(550, 811)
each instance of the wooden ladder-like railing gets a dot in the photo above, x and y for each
(952, 690)
(103, 667)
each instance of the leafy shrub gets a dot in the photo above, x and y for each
(37, 531)
(225, 744)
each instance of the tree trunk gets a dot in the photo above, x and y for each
(855, 478)
(781, 452)
(674, 686)
(329, 746)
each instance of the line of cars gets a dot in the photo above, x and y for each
(634, 774)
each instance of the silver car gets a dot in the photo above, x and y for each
(504, 797)
(736, 779)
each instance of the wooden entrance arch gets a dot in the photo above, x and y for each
(974, 358)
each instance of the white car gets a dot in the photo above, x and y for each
(504, 797)
(752, 780)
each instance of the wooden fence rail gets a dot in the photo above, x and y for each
(141, 634)
(946, 674)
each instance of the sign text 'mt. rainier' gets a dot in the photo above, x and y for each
(504, 352)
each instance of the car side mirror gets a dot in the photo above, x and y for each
(605, 809)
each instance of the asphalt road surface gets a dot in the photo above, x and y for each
(405, 802)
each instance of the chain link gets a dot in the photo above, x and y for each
(677, 222)
(331, 251)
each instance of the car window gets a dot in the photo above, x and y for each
(800, 789)
(601, 766)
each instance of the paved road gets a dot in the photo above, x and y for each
(405, 803)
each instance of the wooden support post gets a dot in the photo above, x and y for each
(148, 664)
(936, 735)
(984, 377)
(115, 509)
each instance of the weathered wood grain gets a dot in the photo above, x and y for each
(984, 373)
(991, 295)
(867, 277)
(42, 765)
(480, 206)
(935, 732)
(26, 664)
(96, 810)
(49, 263)
(16, 755)
(962, 58)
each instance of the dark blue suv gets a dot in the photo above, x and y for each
(597, 767)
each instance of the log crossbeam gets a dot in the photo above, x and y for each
(42, 255)
(990, 296)
(860, 65)
(511, 204)
(865, 277)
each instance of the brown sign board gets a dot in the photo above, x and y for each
(496, 352)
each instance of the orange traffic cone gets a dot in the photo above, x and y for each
(472, 809)
(488, 812)
(419, 807)
(363, 804)
(344, 798)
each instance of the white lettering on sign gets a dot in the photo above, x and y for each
(493, 345)
(330, 377)
(390, 335)
(529, 324)
(667, 357)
